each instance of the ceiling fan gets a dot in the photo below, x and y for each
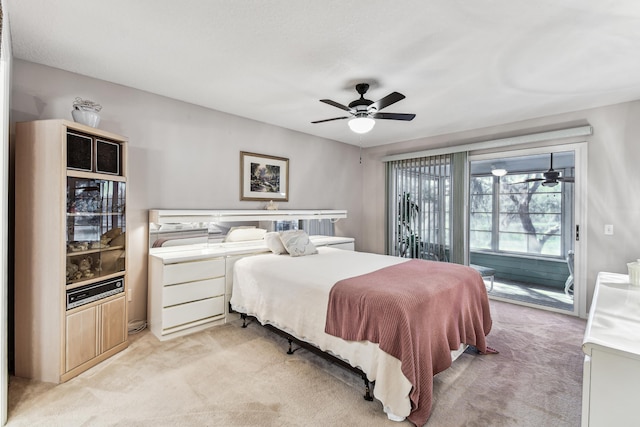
(551, 177)
(363, 111)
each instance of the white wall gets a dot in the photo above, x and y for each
(185, 156)
(613, 182)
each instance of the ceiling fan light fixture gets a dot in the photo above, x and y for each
(361, 124)
(498, 172)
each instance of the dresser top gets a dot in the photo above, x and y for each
(614, 318)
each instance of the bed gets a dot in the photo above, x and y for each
(296, 295)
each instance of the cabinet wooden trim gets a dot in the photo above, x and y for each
(93, 362)
(93, 175)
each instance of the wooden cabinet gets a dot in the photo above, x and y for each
(612, 354)
(70, 251)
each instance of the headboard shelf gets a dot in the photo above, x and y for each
(163, 216)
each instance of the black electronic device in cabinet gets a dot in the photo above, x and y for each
(79, 152)
(92, 154)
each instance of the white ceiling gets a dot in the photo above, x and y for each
(461, 64)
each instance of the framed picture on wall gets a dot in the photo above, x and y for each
(263, 178)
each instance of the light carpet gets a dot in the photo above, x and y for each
(229, 376)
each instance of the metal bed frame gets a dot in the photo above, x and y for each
(312, 348)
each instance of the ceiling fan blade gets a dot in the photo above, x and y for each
(336, 104)
(328, 120)
(393, 116)
(392, 98)
(526, 181)
(568, 179)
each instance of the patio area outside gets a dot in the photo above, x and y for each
(530, 293)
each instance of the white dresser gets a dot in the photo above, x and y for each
(190, 286)
(611, 383)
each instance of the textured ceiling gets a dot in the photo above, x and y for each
(461, 64)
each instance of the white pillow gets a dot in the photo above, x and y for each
(297, 243)
(241, 234)
(274, 243)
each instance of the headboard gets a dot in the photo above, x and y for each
(188, 227)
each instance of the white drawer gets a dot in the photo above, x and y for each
(186, 313)
(192, 291)
(192, 271)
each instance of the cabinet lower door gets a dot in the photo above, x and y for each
(82, 342)
(93, 331)
(113, 324)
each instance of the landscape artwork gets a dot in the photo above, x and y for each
(263, 177)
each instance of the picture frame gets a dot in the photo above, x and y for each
(263, 177)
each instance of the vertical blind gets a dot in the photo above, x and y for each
(421, 202)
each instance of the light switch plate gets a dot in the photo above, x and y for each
(608, 229)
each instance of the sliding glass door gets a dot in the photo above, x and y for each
(515, 212)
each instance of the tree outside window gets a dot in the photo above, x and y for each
(509, 215)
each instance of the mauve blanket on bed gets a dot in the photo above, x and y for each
(417, 311)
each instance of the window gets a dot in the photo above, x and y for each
(530, 216)
(517, 213)
(481, 212)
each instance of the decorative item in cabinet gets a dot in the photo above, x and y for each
(95, 228)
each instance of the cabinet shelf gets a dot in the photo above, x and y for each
(93, 251)
(79, 283)
(77, 214)
(93, 175)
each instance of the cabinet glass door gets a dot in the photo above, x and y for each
(95, 228)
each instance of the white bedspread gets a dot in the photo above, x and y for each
(292, 294)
